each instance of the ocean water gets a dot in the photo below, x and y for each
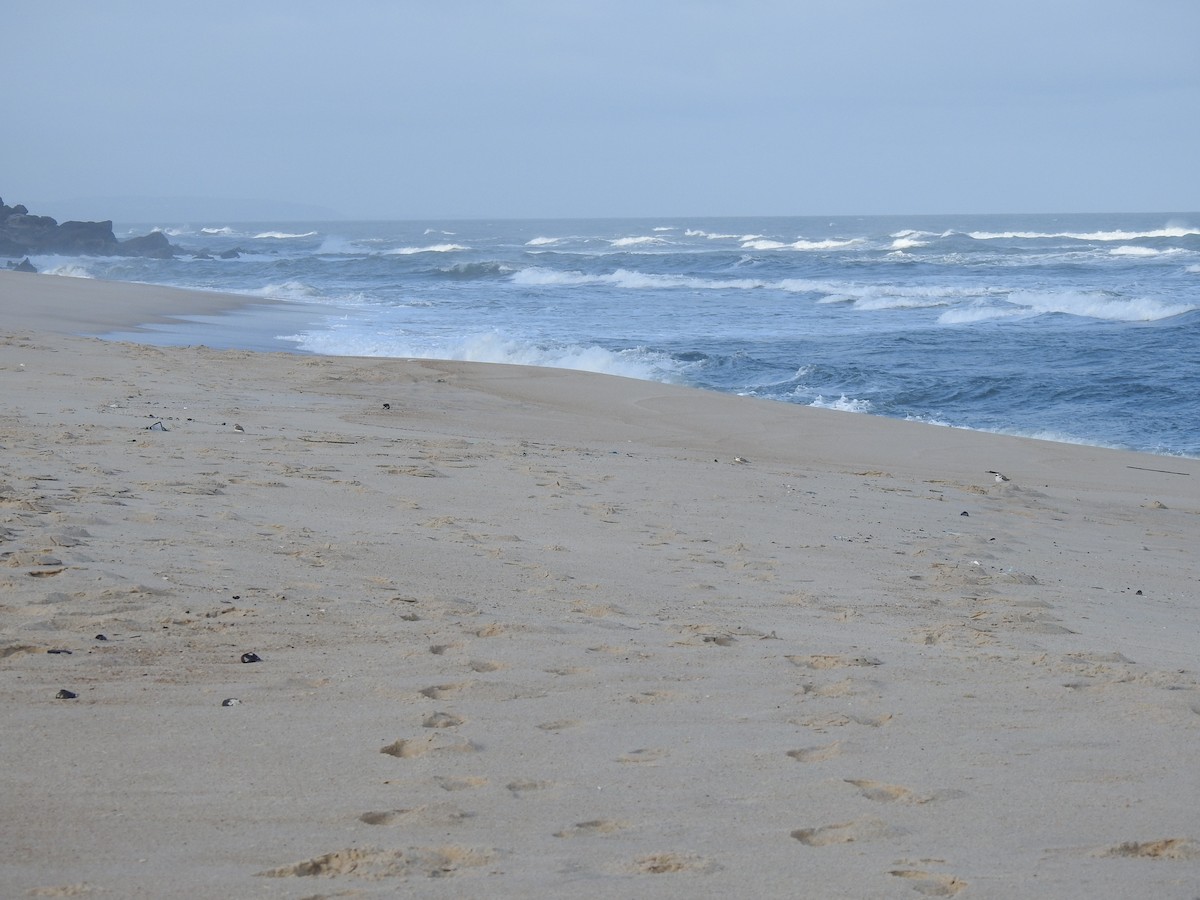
(1077, 328)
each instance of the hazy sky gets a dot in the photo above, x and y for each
(556, 108)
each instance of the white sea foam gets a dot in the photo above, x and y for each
(432, 248)
(638, 241)
(754, 243)
(1144, 251)
(908, 243)
(763, 244)
(283, 235)
(289, 290)
(70, 270)
(1094, 305)
(224, 230)
(623, 278)
(842, 404)
(929, 420)
(1193, 270)
(715, 236)
(542, 241)
(1085, 304)
(491, 347)
(1175, 231)
(336, 245)
(873, 297)
(986, 313)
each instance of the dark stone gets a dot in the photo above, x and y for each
(154, 244)
(85, 239)
(231, 254)
(23, 266)
(22, 234)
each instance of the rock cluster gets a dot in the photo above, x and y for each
(22, 234)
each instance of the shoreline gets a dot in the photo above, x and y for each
(528, 632)
(131, 311)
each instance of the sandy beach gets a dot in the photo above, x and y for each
(520, 632)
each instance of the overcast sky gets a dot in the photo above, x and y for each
(557, 108)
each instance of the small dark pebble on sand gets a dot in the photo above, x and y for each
(102, 637)
(387, 406)
(64, 694)
(231, 701)
(67, 652)
(251, 657)
(964, 513)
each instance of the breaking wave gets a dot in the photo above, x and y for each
(432, 248)
(1170, 232)
(1090, 305)
(492, 347)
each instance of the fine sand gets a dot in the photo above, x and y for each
(535, 633)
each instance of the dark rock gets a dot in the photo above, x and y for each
(22, 234)
(235, 253)
(85, 239)
(23, 266)
(154, 244)
(27, 231)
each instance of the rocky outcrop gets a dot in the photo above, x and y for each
(22, 234)
(153, 244)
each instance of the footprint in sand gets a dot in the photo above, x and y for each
(559, 725)
(414, 749)
(431, 862)
(642, 756)
(434, 814)
(460, 784)
(817, 754)
(838, 720)
(886, 793)
(521, 787)
(592, 828)
(832, 661)
(671, 863)
(1169, 848)
(482, 665)
(443, 720)
(442, 691)
(864, 829)
(931, 884)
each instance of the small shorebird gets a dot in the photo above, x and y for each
(1000, 476)
(243, 430)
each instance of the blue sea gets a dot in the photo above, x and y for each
(1076, 328)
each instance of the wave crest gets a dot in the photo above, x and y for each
(432, 248)
(493, 347)
(283, 235)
